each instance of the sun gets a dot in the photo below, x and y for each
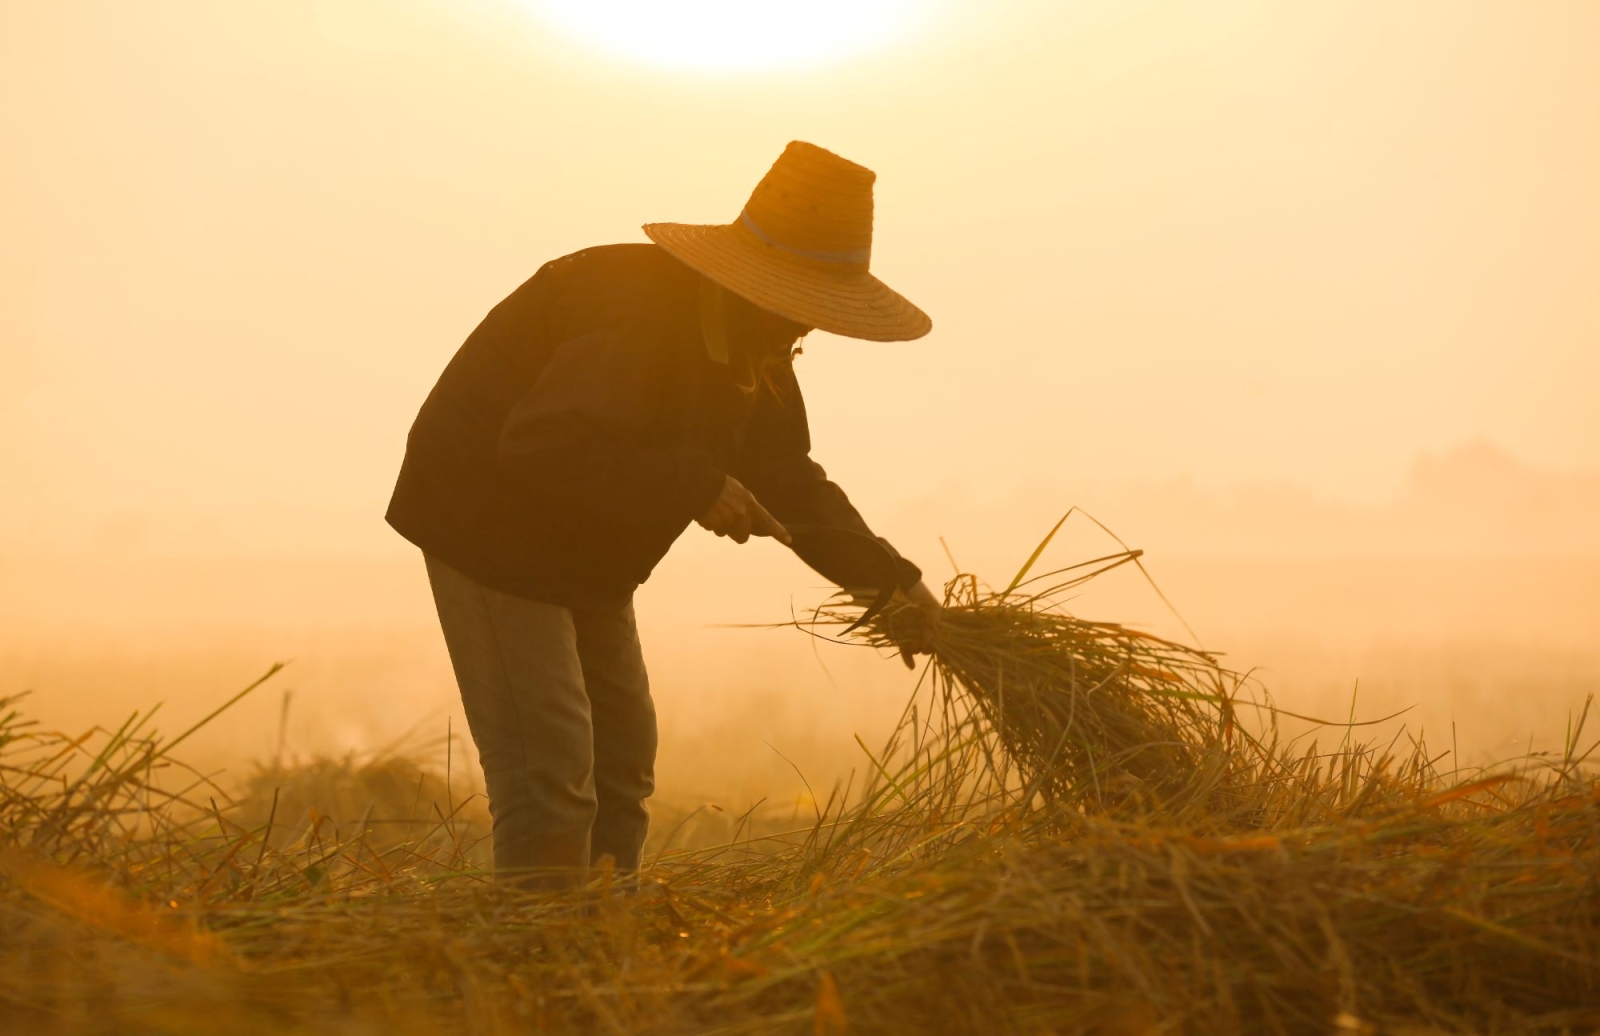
(725, 36)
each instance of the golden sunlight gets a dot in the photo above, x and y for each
(723, 36)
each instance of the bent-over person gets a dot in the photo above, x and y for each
(618, 395)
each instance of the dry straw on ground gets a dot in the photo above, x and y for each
(1076, 828)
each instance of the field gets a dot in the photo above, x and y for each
(1073, 827)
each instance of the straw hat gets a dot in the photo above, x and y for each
(801, 249)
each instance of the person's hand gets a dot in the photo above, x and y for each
(738, 515)
(915, 627)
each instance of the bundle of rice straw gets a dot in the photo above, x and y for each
(1059, 705)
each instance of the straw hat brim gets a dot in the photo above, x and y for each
(847, 302)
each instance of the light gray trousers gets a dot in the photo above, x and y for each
(559, 707)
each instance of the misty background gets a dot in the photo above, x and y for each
(1300, 299)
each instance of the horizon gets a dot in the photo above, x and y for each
(1473, 500)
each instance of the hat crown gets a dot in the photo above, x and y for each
(814, 205)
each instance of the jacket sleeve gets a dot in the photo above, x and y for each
(829, 533)
(579, 438)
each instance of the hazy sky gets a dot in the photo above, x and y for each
(1231, 241)
(1285, 243)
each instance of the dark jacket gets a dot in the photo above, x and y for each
(582, 426)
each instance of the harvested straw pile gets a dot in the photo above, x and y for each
(1071, 831)
(1069, 706)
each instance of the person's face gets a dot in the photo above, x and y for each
(759, 332)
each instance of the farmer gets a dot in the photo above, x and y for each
(619, 394)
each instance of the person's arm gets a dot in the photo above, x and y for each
(579, 438)
(829, 533)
